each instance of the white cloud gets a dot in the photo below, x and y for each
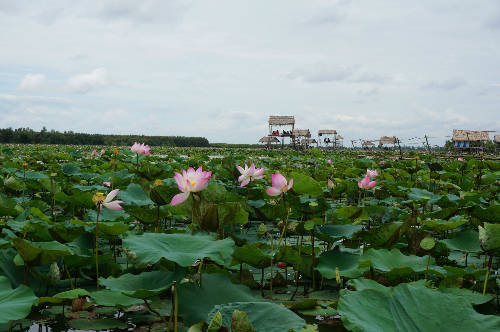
(84, 83)
(322, 72)
(32, 82)
(448, 84)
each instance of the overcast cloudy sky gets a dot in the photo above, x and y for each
(219, 68)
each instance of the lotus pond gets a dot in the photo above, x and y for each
(300, 241)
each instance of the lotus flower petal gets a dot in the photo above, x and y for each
(179, 198)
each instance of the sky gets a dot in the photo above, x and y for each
(219, 68)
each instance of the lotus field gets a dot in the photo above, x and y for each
(172, 239)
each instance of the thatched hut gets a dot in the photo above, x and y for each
(469, 139)
(327, 137)
(367, 145)
(386, 140)
(269, 140)
(307, 142)
(281, 126)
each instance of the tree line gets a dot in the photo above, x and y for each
(30, 136)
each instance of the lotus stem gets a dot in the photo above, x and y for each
(271, 282)
(487, 274)
(427, 267)
(176, 307)
(97, 244)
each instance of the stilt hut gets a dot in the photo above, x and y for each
(306, 143)
(298, 135)
(469, 140)
(339, 141)
(387, 141)
(496, 140)
(269, 140)
(327, 138)
(281, 126)
(367, 145)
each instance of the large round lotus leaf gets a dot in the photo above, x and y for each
(195, 302)
(264, 316)
(40, 253)
(72, 294)
(184, 249)
(396, 263)
(134, 195)
(109, 298)
(467, 241)
(70, 169)
(305, 185)
(143, 285)
(252, 255)
(32, 175)
(15, 303)
(444, 225)
(97, 324)
(332, 233)
(106, 215)
(346, 262)
(410, 307)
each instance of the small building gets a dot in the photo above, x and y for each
(269, 140)
(327, 138)
(469, 139)
(496, 140)
(367, 145)
(307, 142)
(281, 126)
(298, 135)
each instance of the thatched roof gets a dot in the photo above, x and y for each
(301, 132)
(327, 132)
(281, 120)
(387, 140)
(366, 144)
(308, 141)
(470, 135)
(496, 139)
(339, 137)
(269, 139)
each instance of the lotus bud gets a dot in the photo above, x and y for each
(25, 165)
(215, 323)
(240, 322)
(331, 185)
(54, 275)
(262, 229)
(337, 275)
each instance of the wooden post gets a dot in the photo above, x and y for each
(399, 146)
(427, 143)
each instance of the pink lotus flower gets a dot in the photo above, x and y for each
(190, 181)
(331, 185)
(460, 159)
(103, 151)
(372, 173)
(249, 174)
(366, 183)
(140, 148)
(109, 203)
(279, 185)
(94, 152)
(330, 161)
(107, 184)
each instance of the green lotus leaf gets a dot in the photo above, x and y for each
(184, 249)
